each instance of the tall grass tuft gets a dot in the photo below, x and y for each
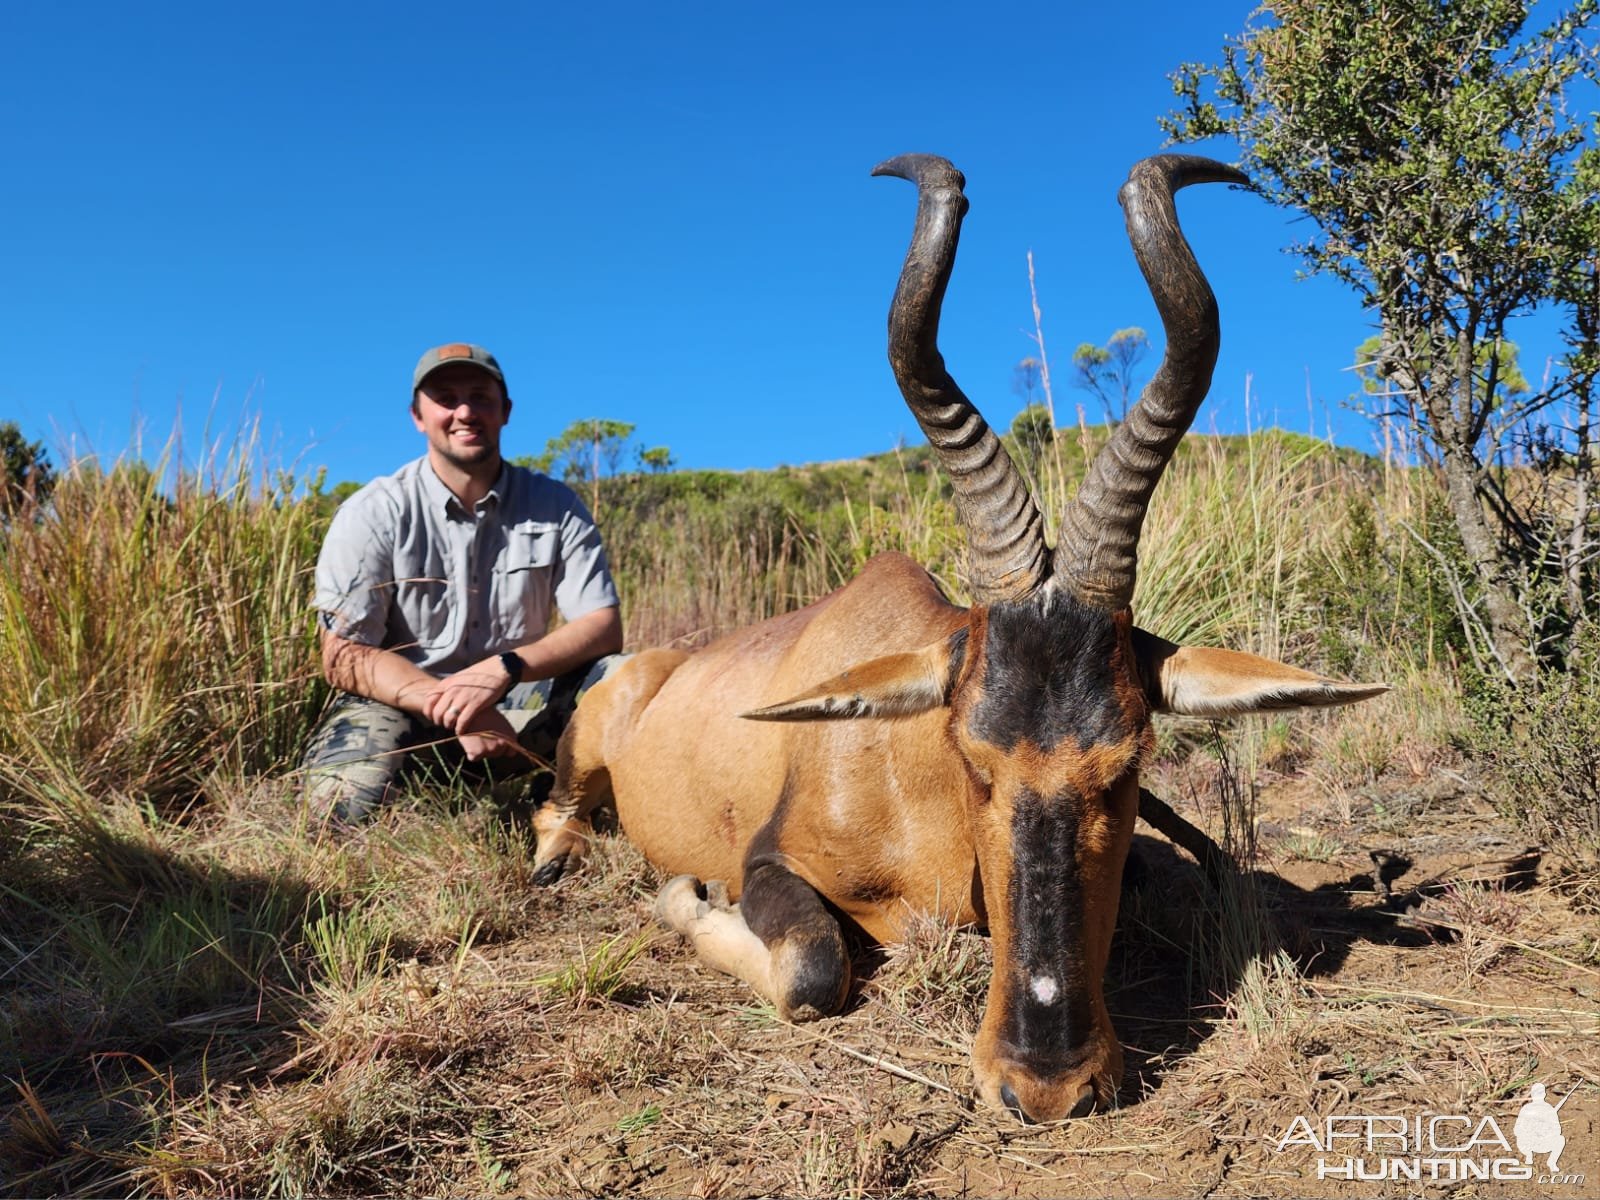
(154, 627)
(699, 554)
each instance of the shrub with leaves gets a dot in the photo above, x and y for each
(1542, 747)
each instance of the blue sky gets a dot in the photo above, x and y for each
(656, 213)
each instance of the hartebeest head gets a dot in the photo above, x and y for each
(1049, 686)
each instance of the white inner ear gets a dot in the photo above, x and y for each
(1194, 696)
(1201, 682)
(892, 686)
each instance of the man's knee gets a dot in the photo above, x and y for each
(599, 670)
(549, 703)
(353, 758)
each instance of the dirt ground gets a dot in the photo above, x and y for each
(1428, 969)
(1378, 997)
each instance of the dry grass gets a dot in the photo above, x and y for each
(451, 1064)
(201, 994)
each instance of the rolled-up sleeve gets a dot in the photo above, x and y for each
(583, 581)
(355, 572)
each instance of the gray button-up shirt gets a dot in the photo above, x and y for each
(407, 568)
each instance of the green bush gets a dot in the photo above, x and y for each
(1380, 587)
(1541, 744)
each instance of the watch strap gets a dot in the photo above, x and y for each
(514, 666)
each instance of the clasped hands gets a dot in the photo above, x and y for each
(466, 704)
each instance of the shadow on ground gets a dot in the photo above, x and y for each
(1183, 942)
(131, 983)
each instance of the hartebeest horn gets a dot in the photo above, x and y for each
(1005, 535)
(1097, 551)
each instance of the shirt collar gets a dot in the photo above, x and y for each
(442, 497)
(433, 488)
(502, 481)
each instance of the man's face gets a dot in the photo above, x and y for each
(461, 410)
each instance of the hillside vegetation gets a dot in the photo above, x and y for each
(203, 994)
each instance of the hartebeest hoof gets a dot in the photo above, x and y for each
(563, 843)
(551, 872)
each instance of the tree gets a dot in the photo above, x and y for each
(581, 449)
(343, 490)
(1107, 370)
(1026, 379)
(1431, 145)
(1577, 286)
(26, 476)
(1033, 433)
(1380, 379)
(656, 460)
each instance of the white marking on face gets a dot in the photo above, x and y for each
(1044, 989)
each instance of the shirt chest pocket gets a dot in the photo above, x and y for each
(526, 579)
(423, 604)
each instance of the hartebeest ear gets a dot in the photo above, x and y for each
(896, 685)
(1197, 681)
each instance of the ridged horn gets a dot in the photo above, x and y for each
(1008, 558)
(1097, 551)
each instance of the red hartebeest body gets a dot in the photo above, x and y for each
(910, 756)
(694, 801)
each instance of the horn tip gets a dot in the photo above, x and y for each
(924, 170)
(1176, 171)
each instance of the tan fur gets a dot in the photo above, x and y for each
(694, 781)
(717, 932)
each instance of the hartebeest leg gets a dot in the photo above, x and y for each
(583, 780)
(583, 783)
(780, 940)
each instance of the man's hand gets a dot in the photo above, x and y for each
(458, 701)
(490, 736)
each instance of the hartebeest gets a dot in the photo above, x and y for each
(883, 752)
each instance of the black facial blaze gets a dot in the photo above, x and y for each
(1049, 676)
(1047, 1018)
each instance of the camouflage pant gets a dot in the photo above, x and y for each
(364, 750)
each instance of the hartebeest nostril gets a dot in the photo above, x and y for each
(1085, 1104)
(1009, 1099)
(1082, 1107)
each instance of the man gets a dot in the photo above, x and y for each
(435, 586)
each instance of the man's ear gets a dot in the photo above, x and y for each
(895, 685)
(504, 420)
(1198, 681)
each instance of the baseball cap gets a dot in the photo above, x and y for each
(449, 355)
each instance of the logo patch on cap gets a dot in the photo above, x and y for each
(455, 350)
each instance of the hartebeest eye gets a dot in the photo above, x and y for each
(975, 756)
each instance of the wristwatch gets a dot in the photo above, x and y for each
(513, 664)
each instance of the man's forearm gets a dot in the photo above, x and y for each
(391, 679)
(380, 675)
(591, 636)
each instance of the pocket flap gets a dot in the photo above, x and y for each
(532, 545)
